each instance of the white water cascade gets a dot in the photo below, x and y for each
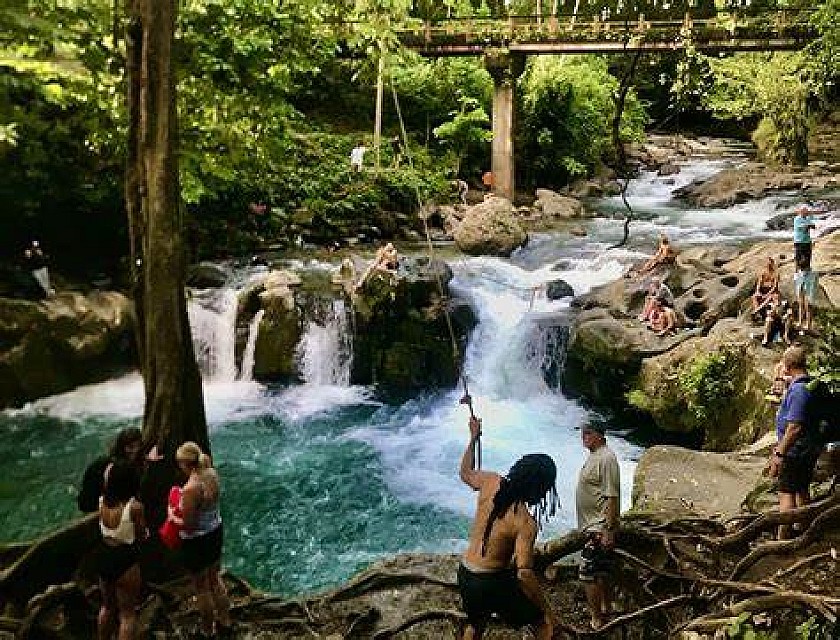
(212, 314)
(246, 371)
(325, 352)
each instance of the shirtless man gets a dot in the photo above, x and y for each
(497, 570)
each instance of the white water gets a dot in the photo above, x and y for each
(212, 314)
(246, 371)
(326, 349)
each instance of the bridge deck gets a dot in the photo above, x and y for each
(773, 31)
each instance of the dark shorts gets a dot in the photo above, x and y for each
(802, 254)
(796, 473)
(202, 552)
(595, 560)
(483, 594)
(114, 560)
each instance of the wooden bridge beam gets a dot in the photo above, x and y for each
(504, 68)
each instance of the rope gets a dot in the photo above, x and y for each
(456, 352)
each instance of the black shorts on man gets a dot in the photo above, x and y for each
(484, 594)
(595, 560)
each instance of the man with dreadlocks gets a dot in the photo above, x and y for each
(496, 574)
(598, 497)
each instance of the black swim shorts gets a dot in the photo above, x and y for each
(796, 473)
(595, 560)
(483, 594)
(202, 552)
(802, 255)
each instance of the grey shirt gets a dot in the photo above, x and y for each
(598, 480)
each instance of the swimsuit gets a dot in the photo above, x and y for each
(499, 592)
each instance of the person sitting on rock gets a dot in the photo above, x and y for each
(778, 324)
(657, 289)
(663, 320)
(780, 383)
(665, 254)
(766, 288)
(387, 259)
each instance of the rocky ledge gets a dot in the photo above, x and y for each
(54, 345)
(709, 380)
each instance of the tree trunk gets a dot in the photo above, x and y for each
(174, 407)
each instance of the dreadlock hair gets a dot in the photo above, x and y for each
(529, 481)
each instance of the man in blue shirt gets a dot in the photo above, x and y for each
(794, 457)
(802, 225)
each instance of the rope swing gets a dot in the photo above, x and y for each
(456, 351)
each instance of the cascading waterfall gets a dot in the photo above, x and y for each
(212, 314)
(246, 371)
(326, 349)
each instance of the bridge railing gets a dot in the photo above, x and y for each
(538, 28)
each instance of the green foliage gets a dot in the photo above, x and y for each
(468, 129)
(774, 87)
(567, 109)
(710, 382)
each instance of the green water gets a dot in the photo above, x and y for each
(304, 507)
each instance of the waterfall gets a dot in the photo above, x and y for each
(325, 352)
(212, 315)
(246, 371)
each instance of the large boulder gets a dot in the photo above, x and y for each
(710, 387)
(401, 340)
(674, 481)
(71, 339)
(205, 275)
(556, 207)
(489, 228)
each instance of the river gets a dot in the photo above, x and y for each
(321, 479)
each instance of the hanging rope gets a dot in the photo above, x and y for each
(456, 351)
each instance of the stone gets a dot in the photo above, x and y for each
(554, 206)
(489, 228)
(206, 275)
(61, 343)
(557, 289)
(669, 169)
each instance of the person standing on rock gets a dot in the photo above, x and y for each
(598, 499)
(36, 261)
(496, 574)
(795, 455)
(802, 245)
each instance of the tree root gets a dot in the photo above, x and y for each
(379, 580)
(455, 617)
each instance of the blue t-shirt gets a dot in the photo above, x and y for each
(802, 228)
(794, 408)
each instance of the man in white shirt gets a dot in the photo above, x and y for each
(357, 157)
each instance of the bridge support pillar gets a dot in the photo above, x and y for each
(505, 68)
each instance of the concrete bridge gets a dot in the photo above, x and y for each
(504, 43)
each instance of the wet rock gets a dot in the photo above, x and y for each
(557, 289)
(556, 207)
(669, 169)
(206, 275)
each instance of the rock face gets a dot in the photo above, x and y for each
(554, 206)
(676, 481)
(53, 346)
(752, 180)
(401, 342)
(708, 380)
(489, 228)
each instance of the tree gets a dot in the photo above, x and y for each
(174, 408)
(469, 127)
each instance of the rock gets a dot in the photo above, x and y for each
(401, 341)
(489, 228)
(722, 404)
(557, 289)
(278, 336)
(781, 222)
(578, 231)
(206, 275)
(669, 169)
(66, 341)
(676, 481)
(554, 206)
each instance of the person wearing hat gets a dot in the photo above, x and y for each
(597, 499)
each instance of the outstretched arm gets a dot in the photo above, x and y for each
(469, 474)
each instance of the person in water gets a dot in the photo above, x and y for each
(496, 574)
(123, 526)
(202, 536)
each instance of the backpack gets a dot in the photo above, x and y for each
(823, 411)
